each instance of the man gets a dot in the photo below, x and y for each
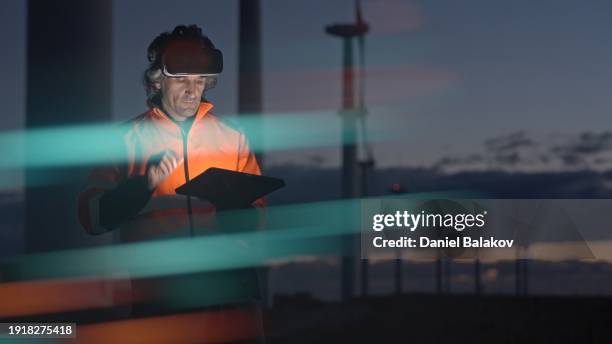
(175, 140)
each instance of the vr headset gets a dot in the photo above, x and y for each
(190, 57)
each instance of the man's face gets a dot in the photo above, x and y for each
(181, 95)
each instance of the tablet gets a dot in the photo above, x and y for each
(227, 189)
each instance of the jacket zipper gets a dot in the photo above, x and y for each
(184, 136)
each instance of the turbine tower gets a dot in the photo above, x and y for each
(350, 115)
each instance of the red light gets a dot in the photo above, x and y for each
(396, 187)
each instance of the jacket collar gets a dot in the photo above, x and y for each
(165, 120)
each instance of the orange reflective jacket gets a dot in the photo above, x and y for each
(209, 143)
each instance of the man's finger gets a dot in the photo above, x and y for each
(169, 166)
(173, 163)
(165, 167)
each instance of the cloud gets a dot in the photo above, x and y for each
(512, 151)
(589, 150)
(518, 151)
(587, 143)
(509, 142)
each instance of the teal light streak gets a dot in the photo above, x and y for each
(79, 145)
(311, 229)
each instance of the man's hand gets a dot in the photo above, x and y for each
(158, 172)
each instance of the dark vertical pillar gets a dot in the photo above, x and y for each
(365, 278)
(518, 272)
(438, 271)
(250, 80)
(525, 287)
(68, 82)
(249, 88)
(477, 281)
(398, 274)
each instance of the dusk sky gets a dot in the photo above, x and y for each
(448, 74)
